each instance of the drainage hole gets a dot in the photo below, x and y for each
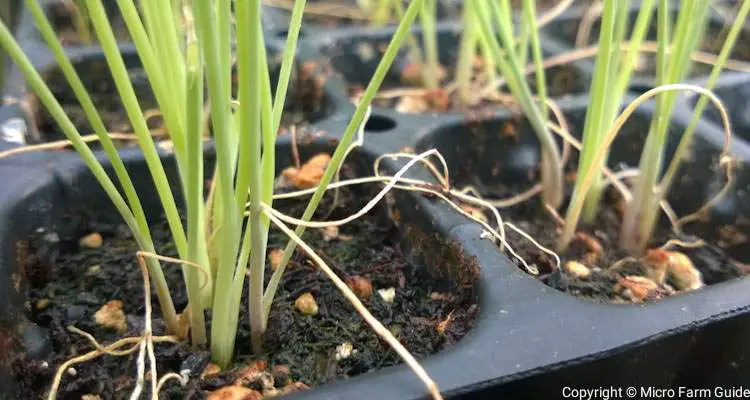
(379, 123)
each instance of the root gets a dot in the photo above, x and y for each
(144, 344)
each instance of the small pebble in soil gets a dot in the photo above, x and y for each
(360, 285)
(636, 288)
(111, 316)
(91, 241)
(43, 303)
(306, 304)
(388, 295)
(93, 270)
(577, 270)
(344, 351)
(74, 314)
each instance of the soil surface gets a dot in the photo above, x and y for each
(610, 264)
(428, 313)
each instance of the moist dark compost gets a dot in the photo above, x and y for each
(428, 313)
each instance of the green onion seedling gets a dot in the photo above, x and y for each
(185, 48)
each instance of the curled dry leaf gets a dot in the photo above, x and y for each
(111, 316)
(234, 392)
(309, 174)
(636, 288)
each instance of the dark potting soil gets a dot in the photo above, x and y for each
(428, 315)
(304, 102)
(601, 286)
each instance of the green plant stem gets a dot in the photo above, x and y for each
(194, 189)
(652, 209)
(702, 101)
(464, 70)
(529, 17)
(595, 125)
(249, 176)
(169, 105)
(642, 210)
(429, 37)
(130, 102)
(552, 178)
(226, 213)
(35, 81)
(338, 155)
